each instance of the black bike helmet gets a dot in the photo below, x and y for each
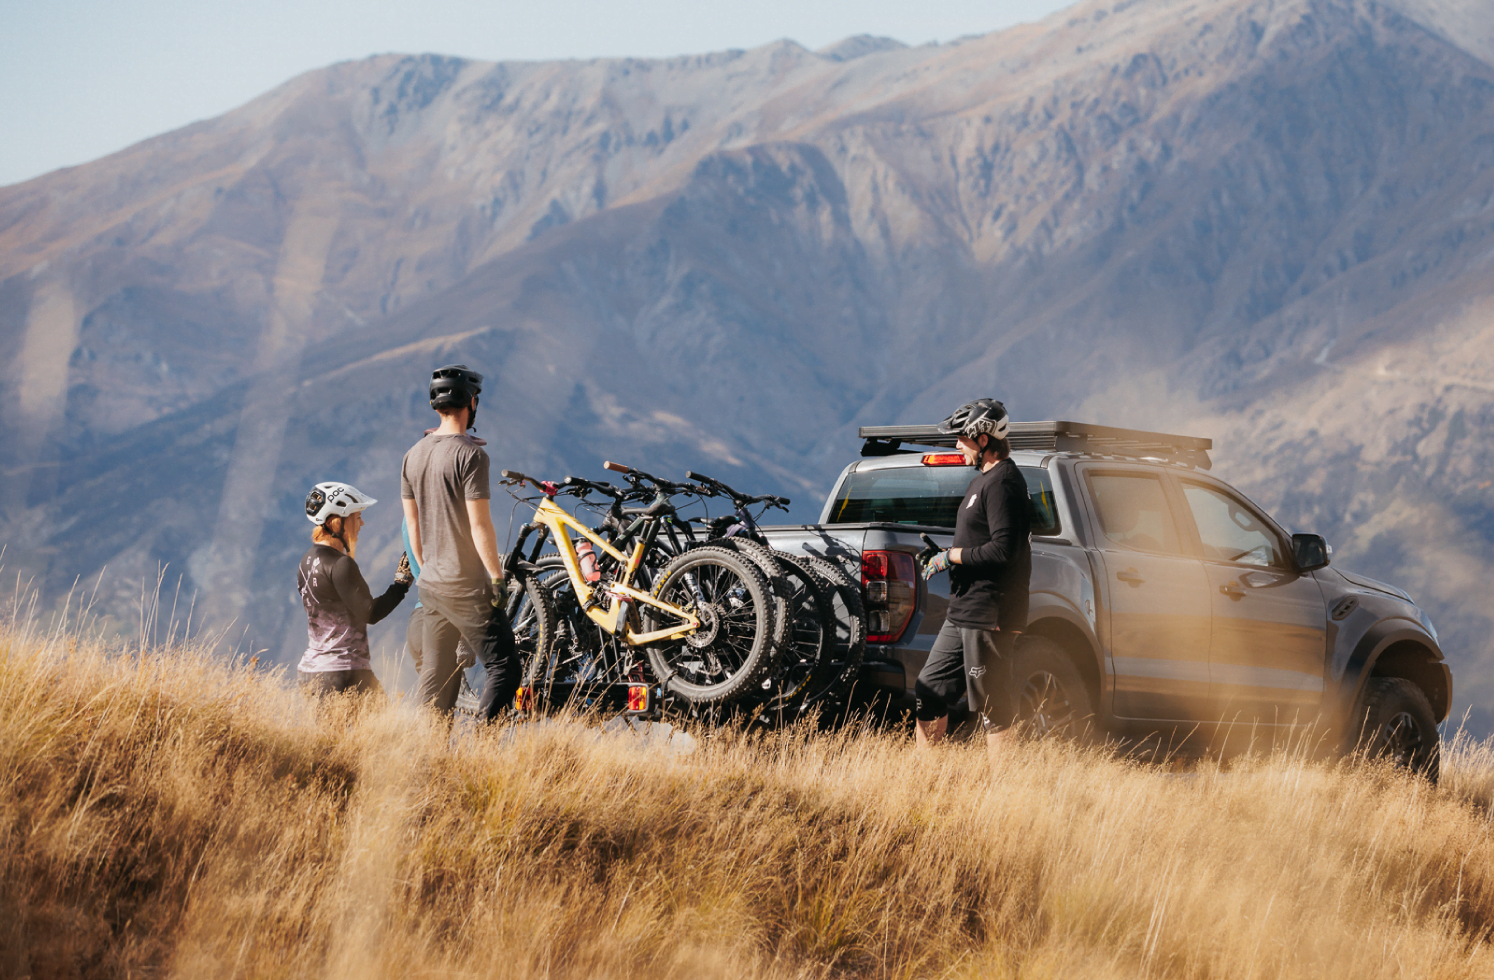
(456, 386)
(984, 415)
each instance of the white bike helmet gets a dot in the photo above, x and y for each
(335, 500)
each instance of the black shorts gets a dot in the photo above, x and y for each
(975, 664)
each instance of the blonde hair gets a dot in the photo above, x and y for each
(324, 534)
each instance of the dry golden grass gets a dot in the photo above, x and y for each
(168, 815)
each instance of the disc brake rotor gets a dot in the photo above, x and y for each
(710, 626)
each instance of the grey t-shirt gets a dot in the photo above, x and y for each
(441, 473)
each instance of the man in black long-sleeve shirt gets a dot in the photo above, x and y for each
(990, 567)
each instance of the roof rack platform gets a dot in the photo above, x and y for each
(1061, 436)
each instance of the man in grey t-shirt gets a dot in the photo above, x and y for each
(444, 489)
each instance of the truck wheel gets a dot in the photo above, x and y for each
(1394, 721)
(1052, 701)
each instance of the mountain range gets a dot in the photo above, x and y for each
(1270, 222)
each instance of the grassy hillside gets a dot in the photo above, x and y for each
(167, 815)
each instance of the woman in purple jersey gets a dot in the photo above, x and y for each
(339, 606)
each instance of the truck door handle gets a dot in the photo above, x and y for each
(1130, 575)
(1233, 590)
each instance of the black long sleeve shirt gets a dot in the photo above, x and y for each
(339, 609)
(989, 588)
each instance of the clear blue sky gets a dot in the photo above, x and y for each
(83, 78)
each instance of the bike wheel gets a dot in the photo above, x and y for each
(841, 664)
(762, 555)
(732, 650)
(811, 636)
(532, 617)
(583, 661)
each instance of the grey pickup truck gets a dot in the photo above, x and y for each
(1163, 599)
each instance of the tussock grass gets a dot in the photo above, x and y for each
(167, 814)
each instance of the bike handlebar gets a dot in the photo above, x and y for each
(667, 486)
(772, 500)
(543, 486)
(585, 486)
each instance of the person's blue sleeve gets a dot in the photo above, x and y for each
(404, 531)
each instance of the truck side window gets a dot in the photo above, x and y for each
(1229, 531)
(1133, 511)
(1040, 493)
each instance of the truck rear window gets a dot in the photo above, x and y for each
(930, 495)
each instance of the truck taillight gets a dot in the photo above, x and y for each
(890, 582)
(945, 459)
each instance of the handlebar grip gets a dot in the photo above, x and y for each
(569, 481)
(616, 467)
(513, 475)
(698, 477)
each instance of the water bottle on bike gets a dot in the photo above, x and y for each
(587, 556)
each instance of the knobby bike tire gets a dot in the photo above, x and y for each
(811, 637)
(583, 661)
(763, 556)
(532, 617)
(733, 649)
(838, 671)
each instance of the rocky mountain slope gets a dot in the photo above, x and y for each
(1268, 222)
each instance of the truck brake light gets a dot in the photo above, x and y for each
(944, 459)
(890, 582)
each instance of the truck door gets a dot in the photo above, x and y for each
(1266, 658)
(1157, 597)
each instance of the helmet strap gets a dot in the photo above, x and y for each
(472, 419)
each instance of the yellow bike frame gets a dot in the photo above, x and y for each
(558, 521)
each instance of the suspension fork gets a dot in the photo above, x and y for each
(512, 559)
(539, 543)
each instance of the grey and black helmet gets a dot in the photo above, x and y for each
(983, 416)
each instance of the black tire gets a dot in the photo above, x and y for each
(841, 663)
(811, 635)
(582, 662)
(763, 557)
(1394, 721)
(733, 650)
(532, 617)
(1051, 698)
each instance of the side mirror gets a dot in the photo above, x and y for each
(1310, 551)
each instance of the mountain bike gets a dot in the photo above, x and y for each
(586, 666)
(705, 623)
(815, 668)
